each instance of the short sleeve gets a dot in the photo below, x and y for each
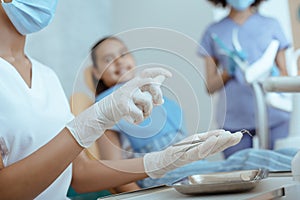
(279, 35)
(205, 47)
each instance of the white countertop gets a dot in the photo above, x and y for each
(264, 190)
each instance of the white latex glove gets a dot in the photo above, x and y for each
(133, 101)
(159, 163)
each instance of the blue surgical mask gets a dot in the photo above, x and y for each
(29, 16)
(240, 5)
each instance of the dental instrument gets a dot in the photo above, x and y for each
(199, 141)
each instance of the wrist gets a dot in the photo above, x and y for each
(226, 76)
(152, 165)
(88, 126)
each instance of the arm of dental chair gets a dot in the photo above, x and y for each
(282, 84)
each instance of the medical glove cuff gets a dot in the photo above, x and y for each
(153, 167)
(89, 125)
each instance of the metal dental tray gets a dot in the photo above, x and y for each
(222, 182)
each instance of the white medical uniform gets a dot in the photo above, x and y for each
(31, 117)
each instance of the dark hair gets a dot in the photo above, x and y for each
(93, 49)
(100, 85)
(223, 3)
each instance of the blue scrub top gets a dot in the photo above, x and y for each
(164, 127)
(238, 101)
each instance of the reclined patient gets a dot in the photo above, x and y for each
(114, 65)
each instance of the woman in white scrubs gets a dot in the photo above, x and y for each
(42, 143)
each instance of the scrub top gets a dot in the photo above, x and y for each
(31, 117)
(162, 128)
(254, 35)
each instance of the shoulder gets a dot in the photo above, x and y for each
(42, 68)
(266, 20)
(45, 73)
(219, 25)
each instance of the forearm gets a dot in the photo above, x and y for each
(281, 62)
(92, 175)
(110, 148)
(214, 79)
(216, 83)
(27, 178)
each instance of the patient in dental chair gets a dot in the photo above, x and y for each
(112, 66)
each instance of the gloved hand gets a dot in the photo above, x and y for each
(133, 101)
(159, 163)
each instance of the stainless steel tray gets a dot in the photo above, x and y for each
(223, 182)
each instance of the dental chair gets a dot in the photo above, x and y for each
(289, 84)
(257, 75)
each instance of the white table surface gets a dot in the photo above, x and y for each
(259, 192)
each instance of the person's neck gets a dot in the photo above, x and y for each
(240, 16)
(12, 43)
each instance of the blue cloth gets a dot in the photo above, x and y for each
(73, 195)
(247, 159)
(255, 34)
(276, 132)
(164, 127)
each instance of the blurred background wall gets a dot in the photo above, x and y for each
(65, 43)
